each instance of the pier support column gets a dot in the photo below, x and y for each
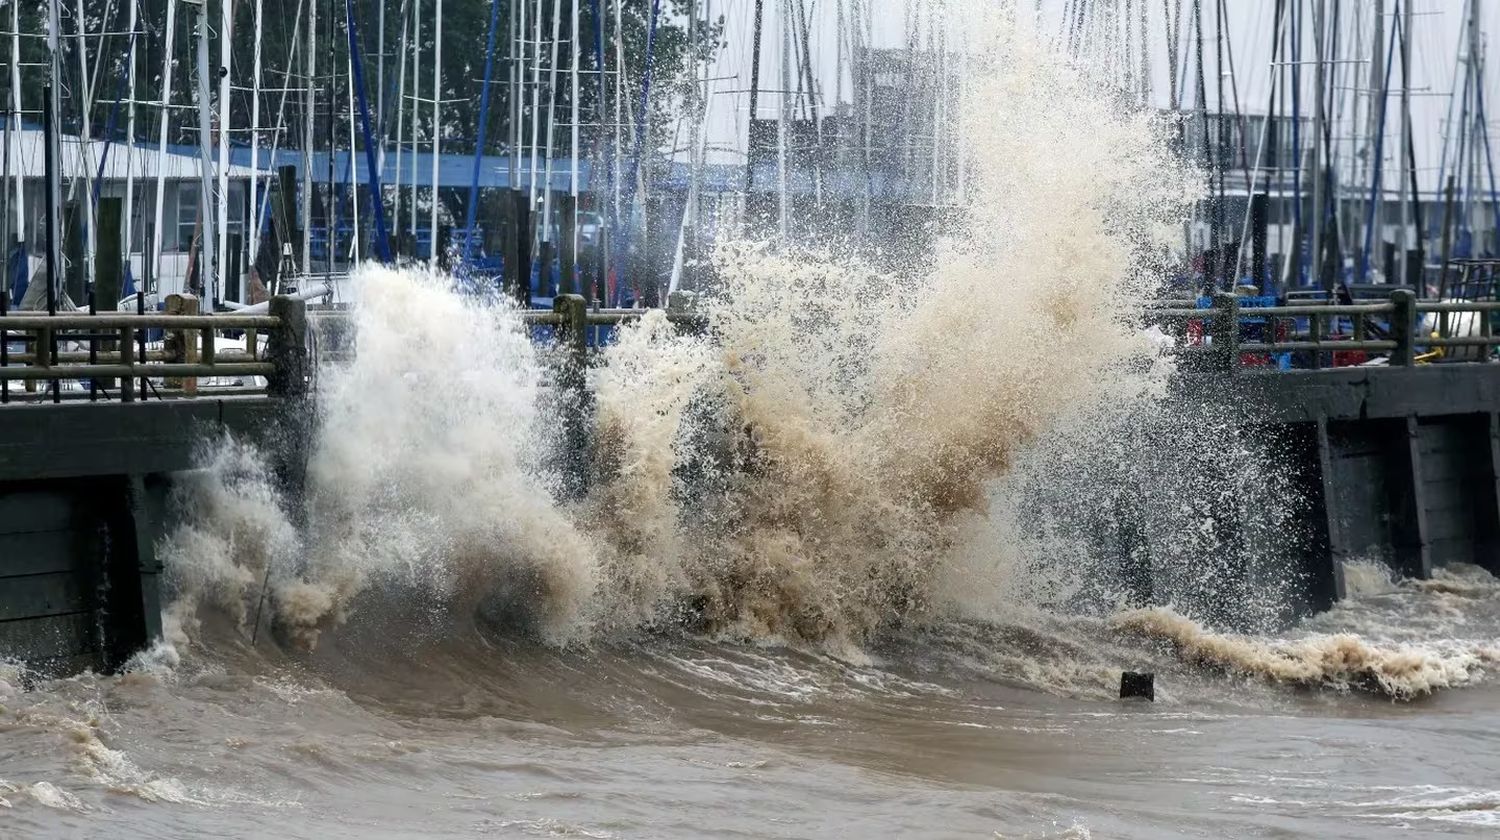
(1419, 547)
(567, 252)
(1487, 545)
(1337, 542)
(286, 349)
(573, 395)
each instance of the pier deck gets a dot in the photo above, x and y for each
(1398, 463)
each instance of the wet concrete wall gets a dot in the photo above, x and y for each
(1395, 465)
(82, 504)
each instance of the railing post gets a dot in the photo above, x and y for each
(41, 353)
(210, 345)
(179, 349)
(572, 383)
(682, 309)
(127, 349)
(286, 347)
(1317, 334)
(1486, 330)
(1226, 332)
(1404, 327)
(574, 331)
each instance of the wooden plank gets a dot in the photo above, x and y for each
(42, 595)
(35, 553)
(31, 639)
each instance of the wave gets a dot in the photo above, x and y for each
(1341, 661)
(807, 470)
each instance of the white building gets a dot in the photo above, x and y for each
(141, 170)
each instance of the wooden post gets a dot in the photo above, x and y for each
(1226, 332)
(287, 348)
(572, 382)
(682, 309)
(127, 350)
(209, 341)
(1316, 333)
(41, 354)
(567, 253)
(1404, 327)
(179, 349)
(521, 224)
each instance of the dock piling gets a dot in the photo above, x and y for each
(1404, 327)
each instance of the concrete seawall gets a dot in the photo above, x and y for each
(83, 501)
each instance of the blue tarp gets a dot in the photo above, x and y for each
(15, 272)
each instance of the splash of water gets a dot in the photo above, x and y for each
(1341, 661)
(870, 411)
(810, 469)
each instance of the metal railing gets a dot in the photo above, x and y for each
(1397, 327)
(121, 362)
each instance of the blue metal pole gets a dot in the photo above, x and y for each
(382, 240)
(1489, 160)
(484, 121)
(1297, 135)
(1378, 160)
(607, 221)
(640, 125)
(109, 125)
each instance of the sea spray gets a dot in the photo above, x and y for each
(427, 474)
(805, 471)
(872, 410)
(1341, 661)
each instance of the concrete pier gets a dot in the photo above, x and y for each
(1397, 464)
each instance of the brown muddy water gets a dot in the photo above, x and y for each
(964, 730)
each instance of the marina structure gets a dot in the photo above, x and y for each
(1324, 292)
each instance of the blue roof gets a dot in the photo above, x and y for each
(456, 171)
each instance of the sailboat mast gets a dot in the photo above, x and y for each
(226, 53)
(1315, 167)
(310, 119)
(130, 150)
(163, 123)
(353, 161)
(517, 50)
(1403, 241)
(546, 221)
(253, 223)
(406, 23)
(536, 102)
(54, 179)
(760, 9)
(783, 220)
(209, 269)
(416, 88)
(89, 232)
(471, 207)
(380, 72)
(573, 131)
(437, 124)
(15, 119)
